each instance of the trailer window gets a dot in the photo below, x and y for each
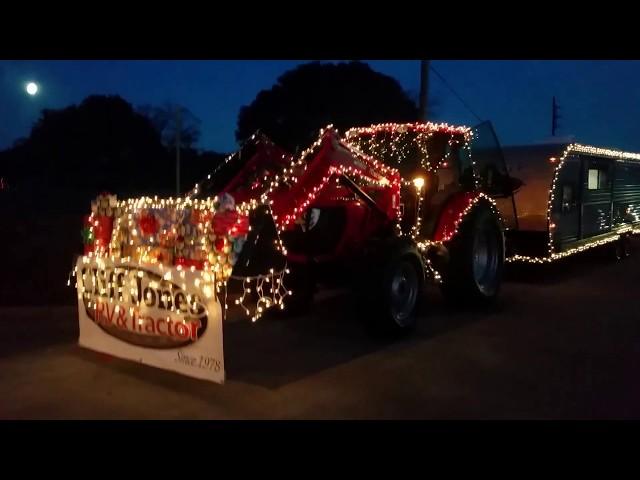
(598, 178)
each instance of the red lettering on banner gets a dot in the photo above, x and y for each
(160, 322)
(122, 312)
(181, 330)
(109, 315)
(99, 312)
(195, 325)
(121, 320)
(150, 323)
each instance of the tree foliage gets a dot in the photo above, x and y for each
(309, 97)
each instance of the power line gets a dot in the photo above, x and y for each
(455, 93)
(555, 115)
(424, 89)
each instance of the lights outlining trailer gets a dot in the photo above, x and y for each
(592, 199)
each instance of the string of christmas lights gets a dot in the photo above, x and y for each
(215, 270)
(552, 254)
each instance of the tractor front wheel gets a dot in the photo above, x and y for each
(393, 284)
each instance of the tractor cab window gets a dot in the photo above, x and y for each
(489, 163)
(447, 171)
(410, 151)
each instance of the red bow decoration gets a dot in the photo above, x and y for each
(220, 243)
(200, 216)
(148, 224)
(187, 263)
(230, 223)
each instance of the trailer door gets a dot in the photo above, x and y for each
(596, 195)
(491, 171)
(565, 217)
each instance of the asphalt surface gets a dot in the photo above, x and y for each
(563, 343)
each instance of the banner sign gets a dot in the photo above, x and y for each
(165, 317)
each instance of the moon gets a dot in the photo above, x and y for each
(32, 88)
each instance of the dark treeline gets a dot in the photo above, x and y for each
(313, 95)
(102, 144)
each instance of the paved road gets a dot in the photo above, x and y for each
(563, 343)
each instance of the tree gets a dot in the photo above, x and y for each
(165, 120)
(100, 144)
(309, 97)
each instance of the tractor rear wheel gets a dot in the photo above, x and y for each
(474, 272)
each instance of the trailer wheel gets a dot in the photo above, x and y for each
(623, 248)
(618, 250)
(474, 272)
(628, 247)
(394, 285)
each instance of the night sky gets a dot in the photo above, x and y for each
(600, 100)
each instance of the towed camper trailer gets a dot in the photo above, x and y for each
(571, 198)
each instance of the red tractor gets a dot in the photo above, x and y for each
(385, 208)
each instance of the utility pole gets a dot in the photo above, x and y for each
(178, 128)
(554, 116)
(424, 89)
